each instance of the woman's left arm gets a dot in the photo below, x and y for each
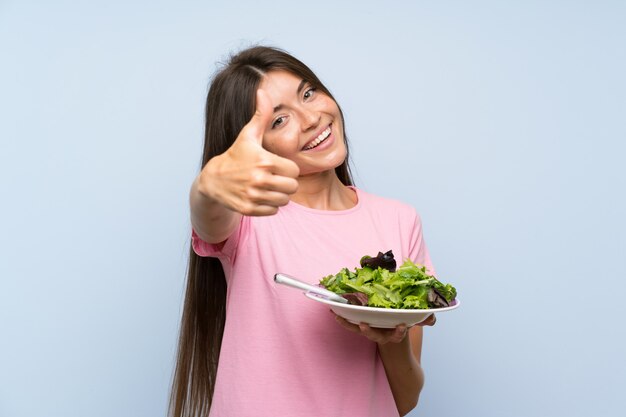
(402, 366)
(400, 351)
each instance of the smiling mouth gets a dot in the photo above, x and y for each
(318, 140)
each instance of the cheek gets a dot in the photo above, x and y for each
(342, 153)
(282, 145)
(331, 106)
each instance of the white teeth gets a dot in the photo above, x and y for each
(319, 139)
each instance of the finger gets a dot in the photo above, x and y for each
(345, 323)
(281, 184)
(263, 179)
(429, 321)
(284, 167)
(268, 197)
(399, 333)
(265, 210)
(262, 117)
(374, 334)
(384, 336)
(258, 210)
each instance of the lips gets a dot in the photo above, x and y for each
(319, 139)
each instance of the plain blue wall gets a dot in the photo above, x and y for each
(503, 123)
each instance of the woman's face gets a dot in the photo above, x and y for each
(306, 125)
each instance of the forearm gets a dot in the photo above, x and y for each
(405, 375)
(212, 221)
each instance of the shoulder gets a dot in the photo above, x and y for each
(386, 205)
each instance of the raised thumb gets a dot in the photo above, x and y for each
(262, 117)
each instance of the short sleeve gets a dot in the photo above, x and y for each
(224, 250)
(418, 251)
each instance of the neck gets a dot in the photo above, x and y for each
(324, 191)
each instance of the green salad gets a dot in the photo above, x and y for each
(379, 284)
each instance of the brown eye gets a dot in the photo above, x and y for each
(309, 93)
(278, 122)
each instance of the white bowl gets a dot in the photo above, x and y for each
(386, 318)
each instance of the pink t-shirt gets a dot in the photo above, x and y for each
(283, 355)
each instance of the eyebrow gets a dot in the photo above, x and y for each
(300, 87)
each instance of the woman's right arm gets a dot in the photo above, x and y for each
(212, 221)
(244, 180)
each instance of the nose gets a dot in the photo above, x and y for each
(310, 119)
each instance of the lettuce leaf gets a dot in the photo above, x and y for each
(409, 286)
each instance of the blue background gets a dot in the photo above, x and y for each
(503, 123)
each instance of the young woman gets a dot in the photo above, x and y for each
(275, 195)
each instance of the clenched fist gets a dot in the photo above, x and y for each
(247, 178)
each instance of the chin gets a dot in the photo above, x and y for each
(329, 167)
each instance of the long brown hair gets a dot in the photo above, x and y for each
(230, 104)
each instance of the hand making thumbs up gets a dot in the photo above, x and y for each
(247, 178)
